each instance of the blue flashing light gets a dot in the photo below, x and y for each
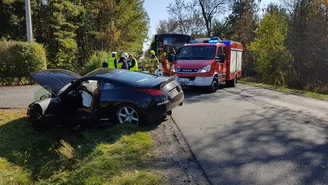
(178, 70)
(213, 41)
(227, 42)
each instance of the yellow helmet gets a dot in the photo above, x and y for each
(152, 52)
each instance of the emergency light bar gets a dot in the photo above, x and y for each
(226, 42)
(213, 40)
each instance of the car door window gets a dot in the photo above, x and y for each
(86, 90)
(90, 85)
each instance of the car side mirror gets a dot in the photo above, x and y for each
(221, 58)
(45, 96)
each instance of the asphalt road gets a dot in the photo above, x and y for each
(249, 135)
(17, 96)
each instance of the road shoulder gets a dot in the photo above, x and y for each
(172, 156)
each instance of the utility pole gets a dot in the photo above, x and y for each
(28, 21)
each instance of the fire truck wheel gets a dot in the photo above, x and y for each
(232, 83)
(214, 86)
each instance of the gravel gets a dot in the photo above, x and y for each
(173, 156)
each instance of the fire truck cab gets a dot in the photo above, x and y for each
(208, 64)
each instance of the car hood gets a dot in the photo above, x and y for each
(193, 64)
(55, 79)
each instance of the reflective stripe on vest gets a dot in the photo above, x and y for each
(111, 63)
(135, 67)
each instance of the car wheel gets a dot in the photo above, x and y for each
(128, 113)
(214, 86)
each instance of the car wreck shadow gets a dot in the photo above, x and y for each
(37, 152)
(269, 147)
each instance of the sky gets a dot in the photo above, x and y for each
(156, 10)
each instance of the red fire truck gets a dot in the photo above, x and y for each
(208, 64)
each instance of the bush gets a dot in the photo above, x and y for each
(19, 59)
(95, 61)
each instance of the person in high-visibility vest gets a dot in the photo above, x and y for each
(112, 61)
(133, 66)
(152, 63)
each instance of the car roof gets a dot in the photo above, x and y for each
(119, 75)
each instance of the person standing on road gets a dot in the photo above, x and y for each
(123, 62)
(133, 66)
(105, 64)
(112, 64)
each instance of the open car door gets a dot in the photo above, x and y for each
(167, 50)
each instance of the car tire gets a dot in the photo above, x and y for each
(214, 86)
(128, 113)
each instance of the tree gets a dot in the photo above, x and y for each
(63, 44)
(209, 9)
(307, 41)
(12, 20)
(167, 26)
(240, 26)
(72, 30)
(272, 55)
(187, 17)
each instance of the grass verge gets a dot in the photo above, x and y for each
(108, 156)
(251, 81)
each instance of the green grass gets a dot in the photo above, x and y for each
(253, 82)
(109, 156)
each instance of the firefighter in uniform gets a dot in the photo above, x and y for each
(165, 56)
(152, 63)
(123, 62)
(133, 66)
(112, 61)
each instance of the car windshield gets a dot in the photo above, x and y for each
(197, 52)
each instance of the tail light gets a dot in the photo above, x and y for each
(153, 92)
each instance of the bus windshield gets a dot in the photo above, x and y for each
(176, 40)
(197, 53)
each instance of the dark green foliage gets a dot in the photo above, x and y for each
(72, 30)
(95, 61)
(20, 59)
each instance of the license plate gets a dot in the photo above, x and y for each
(173, 92)
(183, 80)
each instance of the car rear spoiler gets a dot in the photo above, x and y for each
(170, 79)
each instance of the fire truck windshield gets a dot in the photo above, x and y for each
(197, 53)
